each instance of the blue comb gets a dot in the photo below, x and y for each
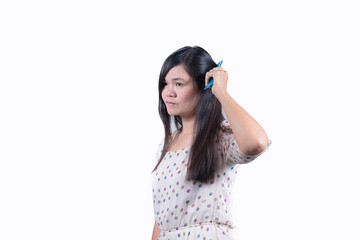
(211, 79)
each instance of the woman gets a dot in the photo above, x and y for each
(198, 162)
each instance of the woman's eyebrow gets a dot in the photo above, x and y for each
(177, 79)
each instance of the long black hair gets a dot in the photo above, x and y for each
(203, 156)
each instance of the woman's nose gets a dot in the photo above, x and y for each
(170, 92)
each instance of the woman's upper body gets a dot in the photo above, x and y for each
(180, 202)
(197, 163)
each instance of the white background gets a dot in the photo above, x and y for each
(79, 125)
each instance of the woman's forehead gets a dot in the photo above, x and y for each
(177, 73)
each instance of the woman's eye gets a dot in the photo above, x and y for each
(178, 84)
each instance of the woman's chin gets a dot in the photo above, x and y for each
(172, 113)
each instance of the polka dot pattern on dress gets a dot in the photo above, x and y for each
(185, 209)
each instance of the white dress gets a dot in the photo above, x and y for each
(186, 209)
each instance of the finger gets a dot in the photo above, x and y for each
(206, 78)
(208, 75)
(214, 69)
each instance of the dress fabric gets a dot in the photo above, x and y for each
(185, 209)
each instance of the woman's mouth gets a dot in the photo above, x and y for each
(171, 103)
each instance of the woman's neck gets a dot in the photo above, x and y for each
(184, 137)
(188, 125)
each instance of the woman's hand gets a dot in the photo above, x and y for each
(220, 77)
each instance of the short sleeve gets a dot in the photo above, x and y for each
(159, 150)
(230, 148)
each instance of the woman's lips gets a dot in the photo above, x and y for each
(171, 103)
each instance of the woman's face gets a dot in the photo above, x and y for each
(180, 94)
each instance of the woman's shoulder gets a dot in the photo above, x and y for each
(225, 123)
(225, 126)
(160, 148)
